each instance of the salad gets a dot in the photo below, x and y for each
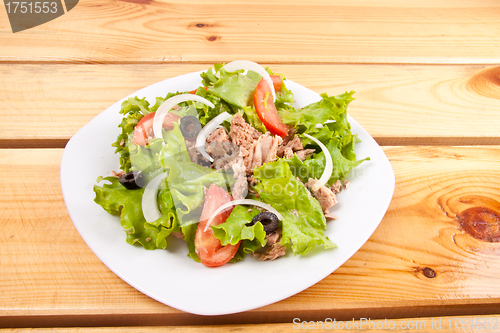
(231, 167)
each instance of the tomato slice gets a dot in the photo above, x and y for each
(207, 247)
(264, 105)
(143, 132)
(194, 91)
(277, 82)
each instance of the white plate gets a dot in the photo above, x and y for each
(176, 280)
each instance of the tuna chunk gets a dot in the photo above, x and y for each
(273, 252)
(304, 153)
(294, 146)
(290, 146)
(323, 194)
(219, 135)
(195, 155)
(256, 148)
(242, 133)
(262, 151)
(240, 188)
(274, 237)
(275, 249)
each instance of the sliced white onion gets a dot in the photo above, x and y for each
(254, 67)
(242, 202)
(327, 173)
(150, 198)
(206, 130)
(166, 106)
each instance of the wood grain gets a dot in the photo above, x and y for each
(419, 262)
(463, 32)
(44, 105)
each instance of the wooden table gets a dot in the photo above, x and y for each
(427, 81)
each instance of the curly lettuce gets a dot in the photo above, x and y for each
(117, 200)
(304, 222)
(342, 154)
(234, 229)
(329, 108)
(180, 197)
(134, 110)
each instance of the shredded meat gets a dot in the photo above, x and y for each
(290, 145)
(223, 153)
(256, 148)
(336, 187)
(219, 135)
(291, 133)
(251, 180)
(178, 234)
(330, 216)
(304, 153)
(274, 249)
(240, 188)
(274, 237)
(301, 154)
(227, 155)
(323, 194)
(273, 252)
(294, 146)
(194, 153)
(262, 151)
(288, 153)
(118, 174)
(242, 133)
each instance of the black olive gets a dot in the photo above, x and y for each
(130, 180)
(190, 126)
(269, 220)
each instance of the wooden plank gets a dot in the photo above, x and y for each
(44, 105)
(464, 324)
(425, 31)
(419, 262)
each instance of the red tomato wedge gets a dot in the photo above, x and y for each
(264, 105)
(277, 82)
(194, 91)
(207, 247)
(144, 129)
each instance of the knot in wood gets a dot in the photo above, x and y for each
(481, 223)
(429, 272)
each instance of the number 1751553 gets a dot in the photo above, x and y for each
(24, 7)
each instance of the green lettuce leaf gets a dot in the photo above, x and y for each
(186, 181)
(285, 96)
(304, 223)
(205, 113)
(117, 200)
(251, 117)
(208, 77)
(189, 232)
(236, 88)
(314, 166)
(135, 104)
(133, 109)
(332, 108)
(235, 229)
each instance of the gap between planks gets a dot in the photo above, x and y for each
(382, 141)
(184, 319)
(382, 62)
